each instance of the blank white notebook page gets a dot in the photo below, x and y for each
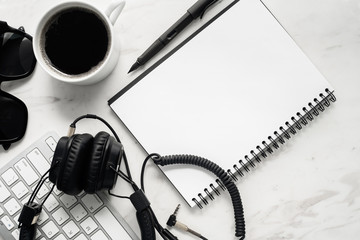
(221, 94)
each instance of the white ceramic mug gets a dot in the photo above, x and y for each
(104, 67)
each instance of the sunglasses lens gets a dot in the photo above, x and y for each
(13, 118)
(16, 55)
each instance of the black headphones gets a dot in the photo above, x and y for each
(82, 162)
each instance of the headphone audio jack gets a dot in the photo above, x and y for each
(173, 222)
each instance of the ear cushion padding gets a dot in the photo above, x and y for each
(114, 154)
(73, 166)
(97, 164)
(59, 156)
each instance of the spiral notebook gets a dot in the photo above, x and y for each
(232, 93)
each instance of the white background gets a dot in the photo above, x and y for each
(310, 189)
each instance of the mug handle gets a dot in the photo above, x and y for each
(113, 10)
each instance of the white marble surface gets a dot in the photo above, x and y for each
(310, 189)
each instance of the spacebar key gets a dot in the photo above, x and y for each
(111, 225)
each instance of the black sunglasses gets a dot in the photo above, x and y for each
(17, 61)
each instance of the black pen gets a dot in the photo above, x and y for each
(195, 11)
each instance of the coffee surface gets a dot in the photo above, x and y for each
(76, 41)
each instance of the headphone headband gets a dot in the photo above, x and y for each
(72, 127)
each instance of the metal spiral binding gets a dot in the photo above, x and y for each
(281, 136)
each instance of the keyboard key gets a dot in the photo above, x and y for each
(68, 200)
(81, 193)
(9, 176)
(38, 161)
(38, 234)
(50, 229)
(56, 191)
(12, 206)
(16, 218)
(111, 225)
(88, 225)
(81, 237)
(78, 212)
(92, 202)
(60, 216)
(1, 211)
(42, 191)
(51, 203)
(42, 218)
(99, 235)
(19, 190)
(4, 193)
(50, 141)
(16, 233)
(60, 237)
(71, 229)
(26, 171)
(26, 199)
(7, 222)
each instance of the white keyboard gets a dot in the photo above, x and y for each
(86, 216)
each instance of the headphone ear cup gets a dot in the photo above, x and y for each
(59, 156)
(70, 178)
(105, 155)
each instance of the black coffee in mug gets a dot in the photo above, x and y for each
(76, 41)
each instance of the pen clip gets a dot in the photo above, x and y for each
(207, 7)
